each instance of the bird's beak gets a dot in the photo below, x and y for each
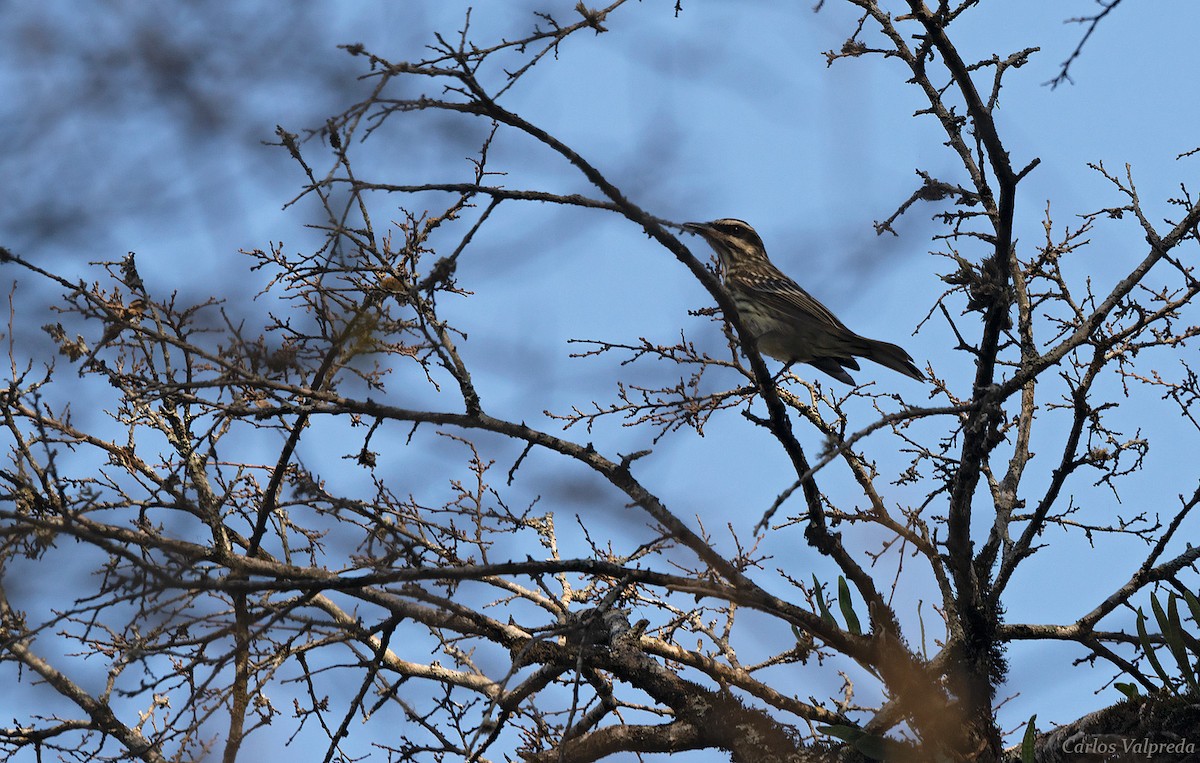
(700, 228)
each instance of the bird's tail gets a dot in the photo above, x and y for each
(892, 356)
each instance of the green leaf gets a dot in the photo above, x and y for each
(1159, 614)
(1193, 643)
(1148, 649)
(1174, 635)
(847, 606)
(1027, 741)
(1193, 605)
(1167, 628)
(842, 732)
(1130, 690)
(874, 747)
(826, 615)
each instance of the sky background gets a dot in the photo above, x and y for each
(141, 127)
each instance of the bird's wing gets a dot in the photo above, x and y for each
(785, 296)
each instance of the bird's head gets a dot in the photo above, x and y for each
(734, 241)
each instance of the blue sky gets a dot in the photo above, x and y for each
(726, 110)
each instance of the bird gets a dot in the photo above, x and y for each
(119, 317)
(787, 322)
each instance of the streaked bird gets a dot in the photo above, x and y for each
(119, 317)
(788, 323)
